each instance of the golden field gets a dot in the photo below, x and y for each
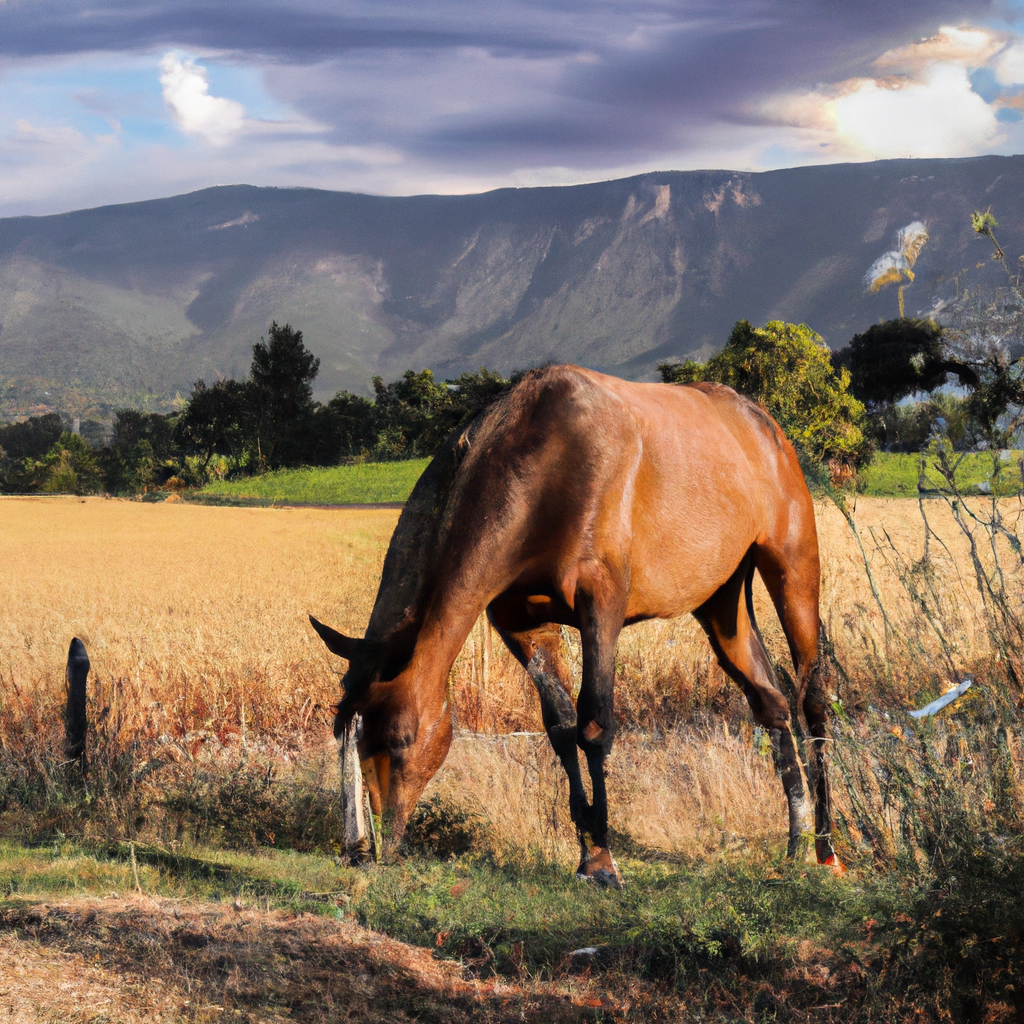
(195, 622)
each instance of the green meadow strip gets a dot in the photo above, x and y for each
(362, 484)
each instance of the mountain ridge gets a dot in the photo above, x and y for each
(129, 303)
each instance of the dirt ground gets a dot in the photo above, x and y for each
(93, 961)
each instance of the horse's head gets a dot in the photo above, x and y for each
(406, 728)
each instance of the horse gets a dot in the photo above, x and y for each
(581, 500)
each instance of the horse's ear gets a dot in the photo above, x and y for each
(337, 643)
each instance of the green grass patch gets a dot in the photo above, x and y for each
(362, 484)
(65, 869)
(890, 475)
(897, 474)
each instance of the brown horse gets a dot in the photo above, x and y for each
(582, 500)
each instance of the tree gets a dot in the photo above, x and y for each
(281, 380)
(142, 451)
(31, 440)
(412, 414)
(217, 420)
(787, 368)
(897, 358)
(980, 343)
(69, 466)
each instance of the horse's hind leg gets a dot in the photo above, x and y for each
(791, 579)
(538, 650)
(728, 620)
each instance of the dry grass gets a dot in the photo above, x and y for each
(195, 621)
(211, 707)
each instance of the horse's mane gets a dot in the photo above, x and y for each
(426, 527)
(409, 568)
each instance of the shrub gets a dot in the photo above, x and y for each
(787, 368)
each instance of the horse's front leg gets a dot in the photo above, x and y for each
(600, 615)
(538, 650)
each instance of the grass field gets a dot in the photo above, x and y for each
(895, 474)
(889, 475)
(362, 484)
(212, 764)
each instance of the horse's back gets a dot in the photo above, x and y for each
(672, 483)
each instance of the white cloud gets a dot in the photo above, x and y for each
(187, 93)
(920, 104)
(972, 47)
(939, 115)
(1009, 65)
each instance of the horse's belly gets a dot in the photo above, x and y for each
(674, 589)
(673, 571)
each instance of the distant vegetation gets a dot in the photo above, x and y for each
(232, 433)
(887, 391)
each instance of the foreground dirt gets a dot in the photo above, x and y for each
(116, 960)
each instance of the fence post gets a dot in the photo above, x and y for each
(355, 844)
(75, 721)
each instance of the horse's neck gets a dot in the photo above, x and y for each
(405, 585)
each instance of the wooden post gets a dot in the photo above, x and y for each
(355, 844)
(76, 722)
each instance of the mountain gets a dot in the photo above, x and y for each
(129, 304)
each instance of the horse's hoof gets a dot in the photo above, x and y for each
(833, 862)
(826, 856)
(599, 867)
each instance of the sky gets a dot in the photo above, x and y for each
(137, 99)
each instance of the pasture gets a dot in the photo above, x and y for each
(359, 484)
(213, 778)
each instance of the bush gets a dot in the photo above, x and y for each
(788, 369)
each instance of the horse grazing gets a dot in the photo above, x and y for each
(582, 500)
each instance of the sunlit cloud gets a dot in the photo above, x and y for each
(187, 94)
(921, 102)
(468, 96)
(937, 116)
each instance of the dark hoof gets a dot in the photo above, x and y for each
(599, 867)
(825, 855)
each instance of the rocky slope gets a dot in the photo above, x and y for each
(131, 303)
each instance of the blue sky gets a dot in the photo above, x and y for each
(136, 99)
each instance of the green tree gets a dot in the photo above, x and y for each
(787, 368)
(412, 415)
(142, 451)
(30, 439)
(281, 396)
(217, 420)
(897, 358)
(70, 466)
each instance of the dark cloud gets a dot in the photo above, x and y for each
(753, 49)
(278, 30)
(470, 89)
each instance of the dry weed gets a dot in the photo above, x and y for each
(204, 665)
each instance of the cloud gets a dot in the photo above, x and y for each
(937, 116)
(972, 47)
(467, 95)
(918, 102)
(1009, 65)
(187, 93)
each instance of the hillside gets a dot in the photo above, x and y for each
(131, 303)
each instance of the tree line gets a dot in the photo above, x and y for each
(838, 408)
(232, 428)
